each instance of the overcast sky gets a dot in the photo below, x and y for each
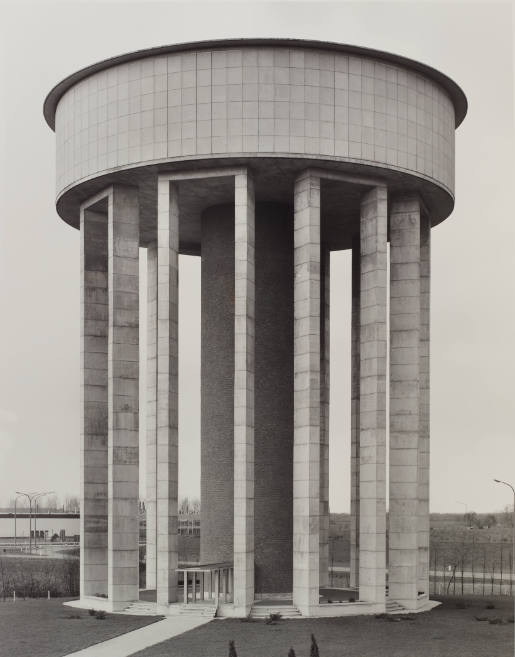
(473, 310)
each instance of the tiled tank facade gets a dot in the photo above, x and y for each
(255, 100)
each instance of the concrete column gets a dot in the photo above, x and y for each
(372, 404)
(324, 416)
(93, 408)
(424, 413)
(123, 387)
(404, 398)
(244, 334)
(306, 391)
(167, 389)
(355, 377)
(151, 504)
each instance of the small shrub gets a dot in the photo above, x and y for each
(91, 612)
(381, 616)
(313, 652)
(100, 615)
(274, 617)
(73, 617)
(351, 600)
(490, 606)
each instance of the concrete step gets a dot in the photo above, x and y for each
(196, 609)
(141, 609)
(394, 607)
(263, 611)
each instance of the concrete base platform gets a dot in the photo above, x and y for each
(333, 603)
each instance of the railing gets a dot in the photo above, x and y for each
(208, 582)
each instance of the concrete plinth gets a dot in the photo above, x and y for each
(372, 405)
(404, 399)
(123, 387)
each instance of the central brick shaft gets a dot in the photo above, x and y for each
(273, 393)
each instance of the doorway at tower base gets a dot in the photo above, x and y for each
(273, 423)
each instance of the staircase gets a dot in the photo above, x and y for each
(142, 608)
(393, 607)
(262, 612)
(198, 609)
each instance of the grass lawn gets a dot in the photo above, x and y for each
(47, 629)
(448, 631)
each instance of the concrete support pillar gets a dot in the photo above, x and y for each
(355, 378)
(424, 413)
(324, 416)
(372, 405)
(123, 387)
(93, 408)
(404, 398)
(150, 504)
(306, 450)
(167, 389)
(244, 335)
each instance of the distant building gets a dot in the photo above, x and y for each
(189, 524)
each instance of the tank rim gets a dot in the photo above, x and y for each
(455, 92)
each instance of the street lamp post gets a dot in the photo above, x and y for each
(31, 497)
(499, 481)
(15, 501)
(36, 498)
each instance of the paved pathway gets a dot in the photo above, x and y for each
(131, 642)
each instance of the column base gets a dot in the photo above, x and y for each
(99, 604)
